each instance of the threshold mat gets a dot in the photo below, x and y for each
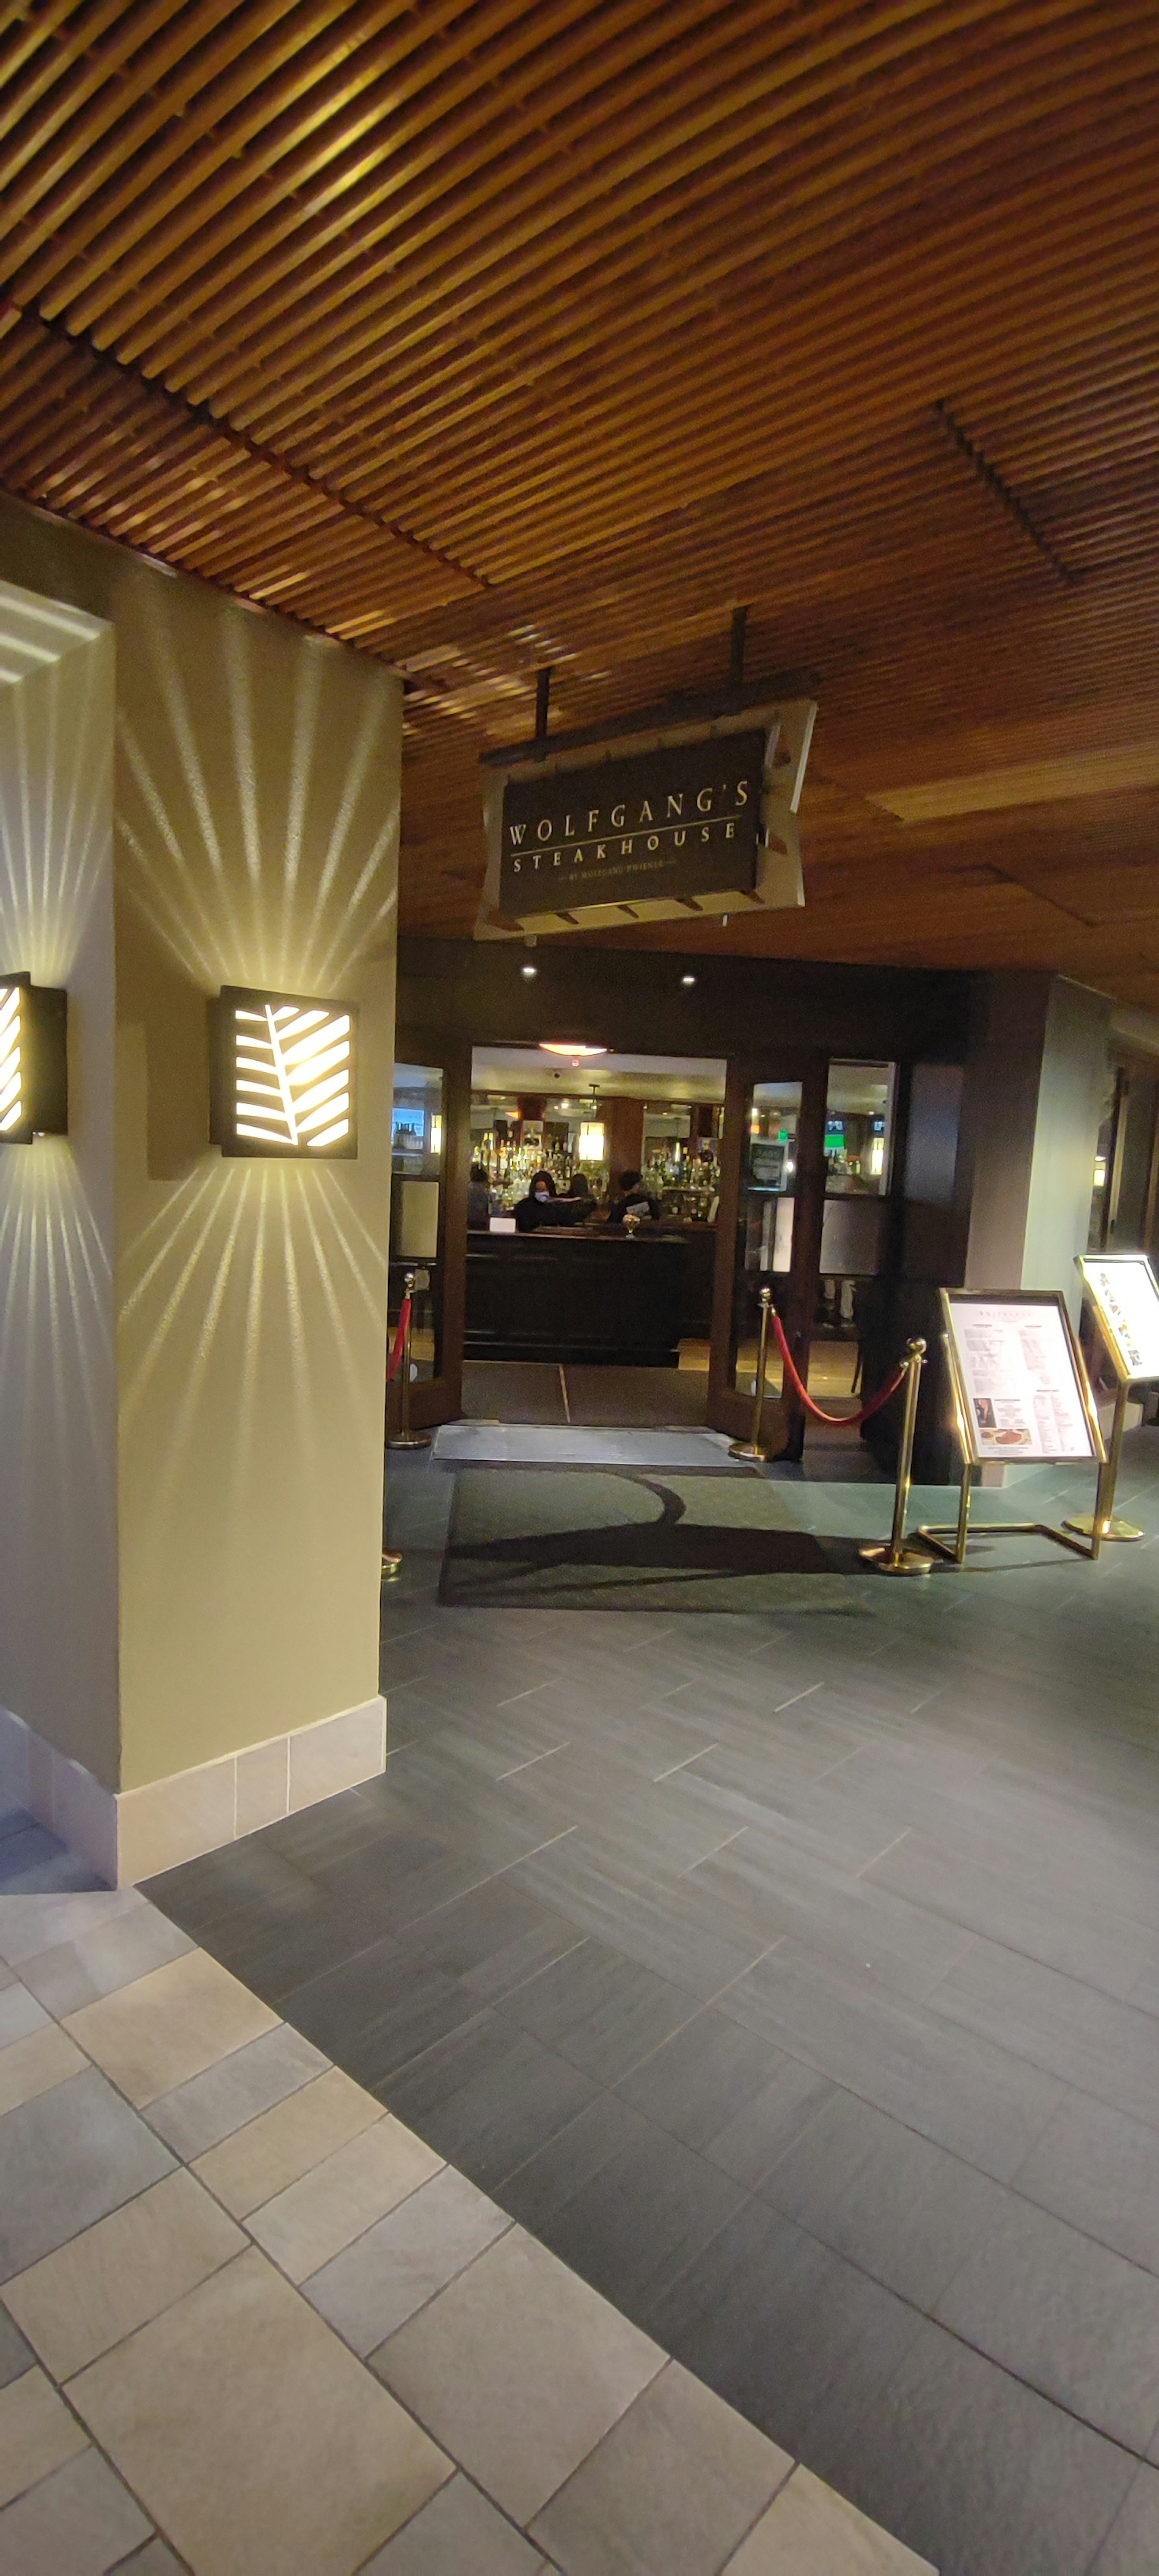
(577, 1444)
(618, 1541)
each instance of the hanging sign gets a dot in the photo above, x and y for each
(1124, 1292)
(661, 822)
(1022, 1391)
(653, 826)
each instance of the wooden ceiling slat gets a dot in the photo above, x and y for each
(481, 334)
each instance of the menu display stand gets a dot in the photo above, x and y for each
(1124, 1295)
(1022, 1397)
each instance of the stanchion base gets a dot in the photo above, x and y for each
(391, 1565)
(907, 1560)
(746, 1449)
(1086, 1526)
(410, 1440)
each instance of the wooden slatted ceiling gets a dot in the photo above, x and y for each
(482, 336)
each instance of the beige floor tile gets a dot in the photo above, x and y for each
(519, 2368)
(307, 2225)
(810, 2531)
(29, 1924)
(257, 2442)
(167, 2026)
(288, 2140)
(98, 1962)
(19, 2013)
(113, 2278)
(668, 2492)
(457, 2534)
(37, 2433)
(78, 2522)
(33, 2065)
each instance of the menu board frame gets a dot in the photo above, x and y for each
(1084, 1263)
(954, 1299)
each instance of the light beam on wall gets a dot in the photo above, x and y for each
(33, 1060)
(283, 1076)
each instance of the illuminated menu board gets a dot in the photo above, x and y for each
(1022, 1389)
(1125, 1295)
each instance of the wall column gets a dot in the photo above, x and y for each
(193, 1368)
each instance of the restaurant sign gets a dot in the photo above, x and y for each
(657, 824)
(677, 821)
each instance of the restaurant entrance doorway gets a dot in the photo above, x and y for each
(588, 1232)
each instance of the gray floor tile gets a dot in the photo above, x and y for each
(973, 2470)
(1131, 2547)
(632, 2226)
(1099, 2169)
(495, 1937)
(599, 2010)
(378, 2011)
(15, 2354)
(900, 2207)
(1065, 2314)
(979, 2100)
(728, 2093)
(69, 2157)
(98, 1962)
(783, 2329)
(1106, 2048)
(370, 2289)
(1101, 1949)
(488, 2097)
(199, 2114)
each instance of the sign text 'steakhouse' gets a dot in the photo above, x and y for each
(683, 821)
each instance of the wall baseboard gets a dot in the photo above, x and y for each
(130, 1834)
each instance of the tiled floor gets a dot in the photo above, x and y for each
(796, 1979)
(251, 2325)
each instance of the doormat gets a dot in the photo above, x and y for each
(577, 1540)
(576, 1444)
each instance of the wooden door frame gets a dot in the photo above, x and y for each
(728, 1410)
(440, 1399)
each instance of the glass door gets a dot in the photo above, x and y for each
(772, 1202)
(430, 1137)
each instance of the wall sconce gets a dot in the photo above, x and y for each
(33, 1060)
(283, 1076)
(591, 1141)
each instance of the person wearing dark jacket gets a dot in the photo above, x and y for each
(478, 1201)
(538, 1208)
(630, 1198)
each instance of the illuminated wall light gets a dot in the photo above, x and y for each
(283, 1076)
(436, 1134)
(591, 1141)
(33, 1060)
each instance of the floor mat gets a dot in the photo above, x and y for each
(573, 1444)
(578, 1541)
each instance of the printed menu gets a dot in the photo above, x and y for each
(1123, 1291)
(1019, 1377)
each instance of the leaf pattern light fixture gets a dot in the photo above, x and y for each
(284, 1076)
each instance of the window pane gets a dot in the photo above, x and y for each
(765, 1222)
(859, 1130)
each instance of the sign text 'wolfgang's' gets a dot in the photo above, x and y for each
(682, 821)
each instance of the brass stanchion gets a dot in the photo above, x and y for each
(404, 1437)
(391, 1564)
(897, 1558)
(1101, 1523)
(751, 1448)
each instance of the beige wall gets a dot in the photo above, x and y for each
(256, 813)
(58, 1412)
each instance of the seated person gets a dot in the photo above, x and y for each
(575, 1203)
(538, 1208)
(478, 1201)
(630, 1198)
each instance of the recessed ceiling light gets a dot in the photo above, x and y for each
(569, 1046)
(529, 971)
(688, 979)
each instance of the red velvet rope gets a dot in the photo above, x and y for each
(836, 1421)
(398, 1345)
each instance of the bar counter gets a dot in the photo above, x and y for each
(570, 1295)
